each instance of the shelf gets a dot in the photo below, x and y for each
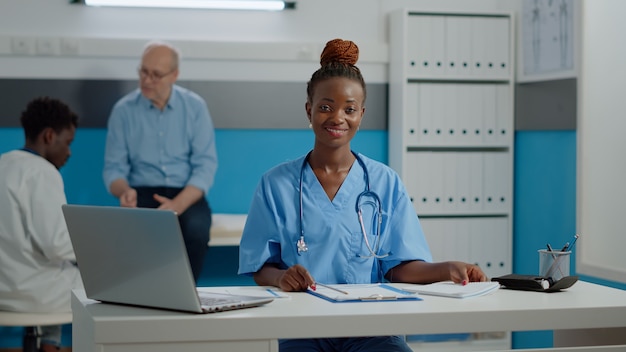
(451, 129)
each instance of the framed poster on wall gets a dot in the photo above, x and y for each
(548, 40)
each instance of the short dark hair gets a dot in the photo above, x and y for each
(44, 112)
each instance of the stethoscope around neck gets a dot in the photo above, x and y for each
(374, 200)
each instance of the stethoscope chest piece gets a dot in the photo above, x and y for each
(301, 245)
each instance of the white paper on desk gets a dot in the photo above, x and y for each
(362, 292)
(254, 291)
(450, 289)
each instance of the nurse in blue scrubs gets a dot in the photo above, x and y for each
(334, 216)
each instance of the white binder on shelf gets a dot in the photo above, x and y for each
(497, 182)
(438, 46)
(411, 120)
(490, 65)
(451, 63)
(439, 103)
(490, 245)
(450, 132)
(438, 197)
(448, 239)
(448, 235)
(476, 181)
(433, 231)
(426, 114)
(489, 114)
(505, 185)
(464, 182)
(504, 124)
(499, 236)
(501, 30)
(419, 53)
(464, 114)
(461, 239)
(479, 47)
(417, 181)
(490, 180)
(450, 197)
(427, 186)
(464, 46)
(475, 112)
(481, 248)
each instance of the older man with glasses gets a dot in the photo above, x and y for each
(160, 149)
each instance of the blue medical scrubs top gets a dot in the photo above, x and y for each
(337, 252)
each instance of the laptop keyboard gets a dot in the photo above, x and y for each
(212, 301)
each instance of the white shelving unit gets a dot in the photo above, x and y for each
(451, 82)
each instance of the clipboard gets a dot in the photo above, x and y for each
(346, 293)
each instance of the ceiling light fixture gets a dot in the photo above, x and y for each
(267, 5)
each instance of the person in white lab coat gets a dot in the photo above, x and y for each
(37, 262)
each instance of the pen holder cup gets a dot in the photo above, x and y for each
(554, 264)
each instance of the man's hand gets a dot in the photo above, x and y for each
(168, 204)
(128, 199)
(186, 198)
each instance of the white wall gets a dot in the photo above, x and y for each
(87, 42)
(601, 142)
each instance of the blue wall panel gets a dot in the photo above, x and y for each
(544, 194)
(244, 155)
(544, 209)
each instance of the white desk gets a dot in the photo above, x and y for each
(226, 229)
(112, 328)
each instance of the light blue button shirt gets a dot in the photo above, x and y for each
(337, 250)
(149, 147)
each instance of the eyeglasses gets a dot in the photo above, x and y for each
(154, 76)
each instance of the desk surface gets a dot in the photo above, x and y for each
(226, 229)
(582, 306)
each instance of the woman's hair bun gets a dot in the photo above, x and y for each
(340, 51)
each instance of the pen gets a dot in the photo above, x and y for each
(564, 249)
(272, 292)
(569, 248)
(331, 288)
(554, 261)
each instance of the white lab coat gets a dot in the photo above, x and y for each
(36, 273)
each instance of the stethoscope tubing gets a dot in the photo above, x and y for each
(301, 244)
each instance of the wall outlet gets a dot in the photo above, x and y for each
(22, 45)
(69, 46)
(47, 46)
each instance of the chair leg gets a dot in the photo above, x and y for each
(31, 337)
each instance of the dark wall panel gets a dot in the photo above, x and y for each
(548, 105)
(233, 105)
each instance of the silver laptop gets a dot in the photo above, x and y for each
(137, 256)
